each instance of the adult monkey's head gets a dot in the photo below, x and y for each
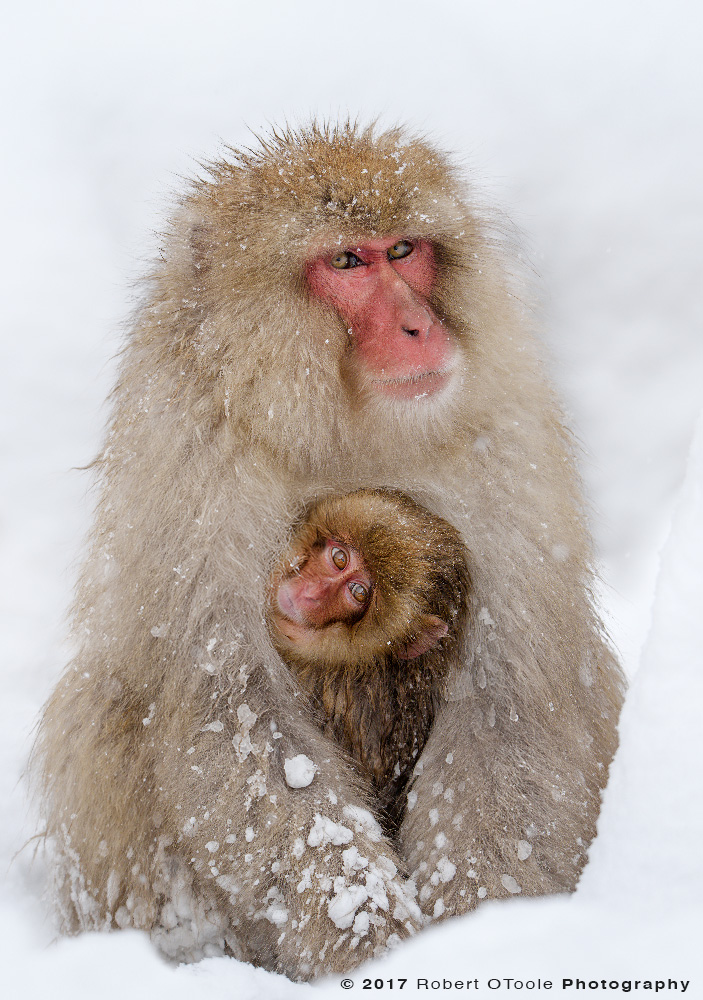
(339, 282)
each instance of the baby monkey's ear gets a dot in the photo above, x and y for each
(431, 630)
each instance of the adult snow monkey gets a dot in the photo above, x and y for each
(330, 311)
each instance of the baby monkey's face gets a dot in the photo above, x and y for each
(330, 584)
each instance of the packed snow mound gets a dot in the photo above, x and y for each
(651, 826)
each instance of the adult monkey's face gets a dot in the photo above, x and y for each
(381, 289)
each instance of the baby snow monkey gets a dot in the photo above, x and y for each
(365, 608)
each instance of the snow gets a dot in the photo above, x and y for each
(344, 904)
(363, 822)
(524, 849)
(325, 831)
(299, 771)
(510, 883)
(585, 118)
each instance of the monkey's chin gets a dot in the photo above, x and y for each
(413, 387)
(287, 632)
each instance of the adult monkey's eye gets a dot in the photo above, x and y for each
(358, 592)
(400, 249)
(339, 557)
(345, 260)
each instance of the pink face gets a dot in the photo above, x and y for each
(333, 585)
(381, 289)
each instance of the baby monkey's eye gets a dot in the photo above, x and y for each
(339, 557)
(359, 592)
(400, 249)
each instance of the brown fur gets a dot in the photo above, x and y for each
(161, 752)
(375, 704)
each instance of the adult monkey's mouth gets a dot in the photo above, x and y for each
(413, 386)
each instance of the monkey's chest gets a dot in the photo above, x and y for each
(381, 718)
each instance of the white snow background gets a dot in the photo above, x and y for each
(583, 121)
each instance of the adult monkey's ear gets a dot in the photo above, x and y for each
(195, 232)
(189, 245)
(430, 631)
